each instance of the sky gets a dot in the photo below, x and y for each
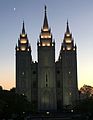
(80, 17)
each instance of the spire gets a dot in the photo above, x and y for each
(45, 30)
(23, 29)
(45, 24)
(67, 29)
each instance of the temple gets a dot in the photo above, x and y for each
(48, 84)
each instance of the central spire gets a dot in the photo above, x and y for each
(45, 35)
(45, 24)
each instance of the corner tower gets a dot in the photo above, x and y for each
(46, 69)
(23, 65)
(68, 59)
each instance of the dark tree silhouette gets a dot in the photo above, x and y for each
(11, 102)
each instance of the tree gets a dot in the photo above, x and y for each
(1, 88)
(11, 102)
(85, 103)
(86, 91)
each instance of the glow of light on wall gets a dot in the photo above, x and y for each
(68, 41)
(74, 49)
(28, 49)
(67, 35)
(68, 48)
(23, 35)
(23, 41)
(17, 49)
(45, 29)
(43, 44)
(23, 48)
(63, 48)
(45, 36)
(48, 44)
(70, 93)
(52, 44)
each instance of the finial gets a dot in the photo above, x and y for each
(45, 24)
(45, 8)
(67, 30)
(67, 22)
(23, 29)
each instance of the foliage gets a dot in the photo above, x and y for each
(86, 105)
(11, 102)
(87, 91)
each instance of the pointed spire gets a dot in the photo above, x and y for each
(45, 24)
(23, 29)
(67, 29)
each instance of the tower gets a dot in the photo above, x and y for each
(46, 69)
(23, 65)
(68, 60)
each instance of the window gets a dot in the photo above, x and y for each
(46, 77)
(34, 72)
(46, 85)
(58, 72)
(46, 81)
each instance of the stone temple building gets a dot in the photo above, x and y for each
(49, 84)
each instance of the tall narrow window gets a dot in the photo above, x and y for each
(46, 81)
(46, 85)
(46, 77)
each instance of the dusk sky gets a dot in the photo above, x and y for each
(80, 17)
